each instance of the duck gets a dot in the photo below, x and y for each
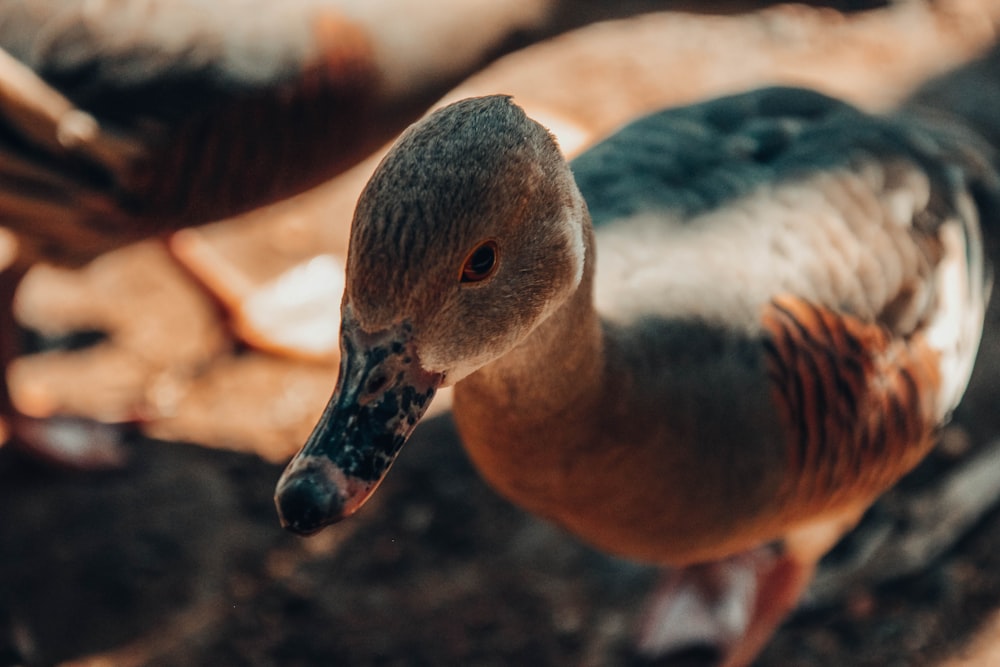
(709, 343)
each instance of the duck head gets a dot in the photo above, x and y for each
(469, 234)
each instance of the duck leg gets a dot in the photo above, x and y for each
(735, 605)
(70, 442)
(732, 606)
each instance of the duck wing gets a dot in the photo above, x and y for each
(784, 252)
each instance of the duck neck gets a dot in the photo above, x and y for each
(556, 373)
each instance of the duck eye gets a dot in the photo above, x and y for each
(480, 263)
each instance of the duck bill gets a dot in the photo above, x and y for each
(381, 394)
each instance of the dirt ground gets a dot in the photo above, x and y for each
(177, 558)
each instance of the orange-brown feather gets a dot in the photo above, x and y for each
(859, 402)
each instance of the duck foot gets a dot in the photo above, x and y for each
(72, 443)
(730, 607)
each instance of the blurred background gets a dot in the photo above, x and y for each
(218, 345)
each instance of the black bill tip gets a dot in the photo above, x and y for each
(307, 501)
